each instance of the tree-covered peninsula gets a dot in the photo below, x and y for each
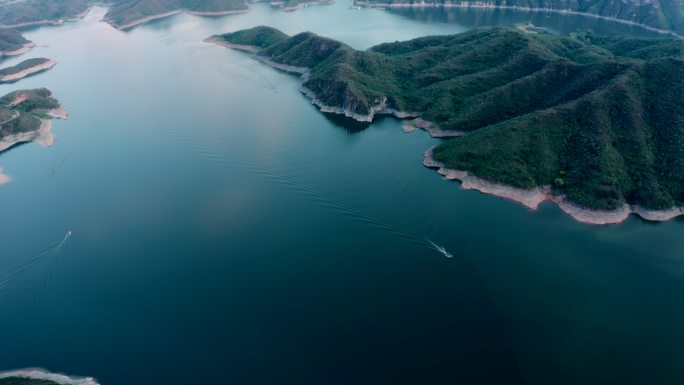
(13, 43)
(599, 121)
(661, 15)
(25, 68)
(25, 116)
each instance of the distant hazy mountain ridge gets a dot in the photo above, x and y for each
(665, 15)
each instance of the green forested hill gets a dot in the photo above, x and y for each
(32, 11)
(21, 111)
(600, 119)
(22, 66)
(121, 12)
(660, 14)
(127, 11)
(11, 40)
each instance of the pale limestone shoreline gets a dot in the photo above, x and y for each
(378, 109)
(40, 374)
(239, 47)
(25, 48)
(4, 178)
(29, 71)
(143, 20)
(486, 5)
(43, 136)
(534, 197)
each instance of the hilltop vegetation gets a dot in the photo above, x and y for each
(600, 119)
(21, 111)
(665, 15)
(24, 65)
(121, 13)
(11, 40)
(129, 11)
(37, 11)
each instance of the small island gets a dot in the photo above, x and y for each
(26, 68)
(41, 377)
(13, 43)
(25, 116)
(594, 124)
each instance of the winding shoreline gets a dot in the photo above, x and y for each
(25, 48)
(378, 109)
(48, 22)
(40, 374)
(28, 72)
(534, 197)
(43, 136)
(158, 16)
(483, 5)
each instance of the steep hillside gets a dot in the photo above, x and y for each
(601, 120)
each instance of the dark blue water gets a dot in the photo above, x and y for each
(227, 232)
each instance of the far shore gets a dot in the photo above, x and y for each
(534, 197)
(515, 8)
(301, 5)
(48, 22)
(171, 13)
(29, 71)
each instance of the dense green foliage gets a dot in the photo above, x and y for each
(660, 14)
(11, 40)
(26, 381)
(127, 11)
(31, 11)
(20, 110)
(22, 66)
(600, 119)
(121, 12)
(260, 37)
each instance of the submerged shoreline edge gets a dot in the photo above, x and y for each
(534, 197)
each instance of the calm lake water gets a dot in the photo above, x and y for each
(227, 232)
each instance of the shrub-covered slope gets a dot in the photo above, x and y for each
(21, 111)
(124, 12)
(600, 119)
(11, 40)
(35, 11)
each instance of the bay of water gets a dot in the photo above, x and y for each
(225, 231)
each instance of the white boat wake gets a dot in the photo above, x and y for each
(439, 248)
(51, 252)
